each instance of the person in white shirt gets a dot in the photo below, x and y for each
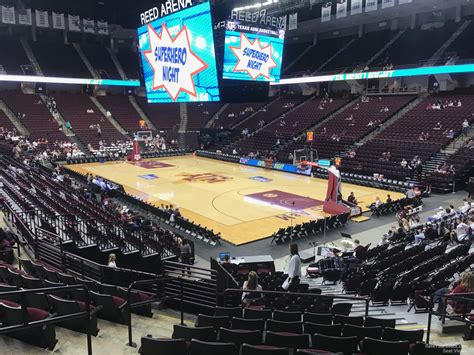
(378, 202)
(251, 284)
(465, 207)
(112, 259)
(462, 231)
(411, 193)
(294, 267)
(440, 214)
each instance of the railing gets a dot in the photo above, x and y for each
(130, 305)
(55, 319)
(299, 294)
(84, 232)
(198, 285)
(458, 298)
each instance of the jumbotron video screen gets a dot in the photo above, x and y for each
(252, 52)
(178, 57)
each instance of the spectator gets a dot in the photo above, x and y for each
(465, 207)
(465, 127)
(411, 193)
(378, 202)
(251, 284)
(185, 254)
(294, 269)
(111, 262)
(463, 285)
(389, 199)
(359, 250)
(461, 233)
(352, 199)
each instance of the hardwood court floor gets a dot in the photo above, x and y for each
(215, 194)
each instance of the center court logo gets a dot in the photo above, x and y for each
(209, 178)
(270, 195)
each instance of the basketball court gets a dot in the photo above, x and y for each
(243, 203)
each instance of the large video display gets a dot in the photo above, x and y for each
(252, 52)
(178, 57)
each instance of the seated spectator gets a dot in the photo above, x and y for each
(465, 207)
(419, 236)
(389, 199)
(378, 202)
(352, 199)
(404, 163)
(359, 250)
(251, 284)
(463, 285)
(411, 193)
(439, 215)
(111, 262)
(437, 126)
(462, 232)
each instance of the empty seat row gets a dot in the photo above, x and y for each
(204, 341)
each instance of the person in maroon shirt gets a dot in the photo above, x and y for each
(463, 285)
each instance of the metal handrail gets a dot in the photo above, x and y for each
(149, 301)
(459, 317)
(301, 294)
(56, 319)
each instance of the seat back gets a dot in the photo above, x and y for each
(67, 279)
(166, 346)
(340, 319)
(31, 282)
(91, 285)
(248, 349)
(27, 266)
(342, 308)
(294, 341)
(412, 336)
(379, 322)
(199, 347)
(335, 344)
(239, 336)
(62, 306)
(247, 324)
(319, 318)
(188, 333)
(375, 347)
(51, 275)
(110, 310)
(228, 311)
(8, 288)
(15, 278)
(108, 289)
(212, 321)
(250, 313)
(350, 330)
(38, 300)
(10, 314)
(333, 330)
(287, 327)
(39, 270)
(287, 316)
